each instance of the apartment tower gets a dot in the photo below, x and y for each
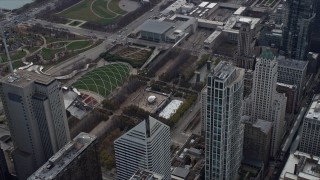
(223, 128)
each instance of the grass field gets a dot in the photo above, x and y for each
(14, 56)
(104, 79)
(78, 45)
(102, 11)
(48, 54)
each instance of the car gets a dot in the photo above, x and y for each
(151, 10)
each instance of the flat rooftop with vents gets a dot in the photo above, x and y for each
(22, 78)
(59, 161)
(301, 166)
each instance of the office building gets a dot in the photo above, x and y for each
(291, 93)
(298, 28)
(266, 103)
(246, 43)
(257, 138)
(36, 118)
(310, 141)
(271, 35)
(278, 14)
(224, 130)
(77, 160)
(301, 166)
(146, 146)
(292, 72)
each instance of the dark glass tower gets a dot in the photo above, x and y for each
(298, 27)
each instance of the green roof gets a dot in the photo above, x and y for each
(267, 54)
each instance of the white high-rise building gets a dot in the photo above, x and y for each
(223, 128)
(36, 117)
(266, 103)
(146, 146)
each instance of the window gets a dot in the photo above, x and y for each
(14, 97)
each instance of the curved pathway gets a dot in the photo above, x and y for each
(91, 9)
(112, 10)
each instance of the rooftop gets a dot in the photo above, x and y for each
(59, 161)
(264, 126)
(173, 7)
(140, 132)
(287, 85)
(22, 78)
(156, 26)
(240, 10)
(267, 54)
(143, 174)
(314, 110)
(170, 109)
(305, 165)
(223, 70)
(235, 19)
(180, 172)
(291, 63)
(213, 36)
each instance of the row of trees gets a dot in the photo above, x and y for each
(191, 98)
(88, 123)
(29, 6)
(161, 60)
(174, 70)
(49, 14)
(115, 102)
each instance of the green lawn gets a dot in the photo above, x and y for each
(17, 64)
(100, 8)
(32, 49)
(14, 56)
(104, 79)
(78, 45)
(48, 54)
(100, 13)
(114, 6)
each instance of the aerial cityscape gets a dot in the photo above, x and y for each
(159, 90)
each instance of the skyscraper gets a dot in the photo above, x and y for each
(146, 146)
(298, 27)
(77, 160)
(245, 57)
(224, 130)
(266, 103)
(36, 117)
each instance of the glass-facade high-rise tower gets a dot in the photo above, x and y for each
(223, 127)
(298, 27)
